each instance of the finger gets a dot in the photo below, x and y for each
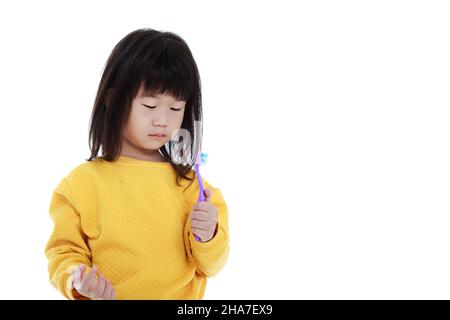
(209, 211)
(82, 269)
(112, 294)
(201, 233)
(108, 290)
(76, 275)
(204, 235)
(208, 194)
(88, 277)
(205, 206)
(201, 225)
(199, 215)
(101, 286)
(203, 213)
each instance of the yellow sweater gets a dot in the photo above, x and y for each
(131, 219)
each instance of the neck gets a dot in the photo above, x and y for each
(132, 151)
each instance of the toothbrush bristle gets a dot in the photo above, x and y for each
(201, 158)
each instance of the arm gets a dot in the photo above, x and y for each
(67, 247)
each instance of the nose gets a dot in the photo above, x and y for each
(160, 119)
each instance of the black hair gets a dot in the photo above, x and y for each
(163, 63)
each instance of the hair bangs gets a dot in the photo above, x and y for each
(168, 76)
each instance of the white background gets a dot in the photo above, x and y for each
(326, 125)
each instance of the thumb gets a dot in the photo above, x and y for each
(208, 194)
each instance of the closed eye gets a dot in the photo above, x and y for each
(153, 107)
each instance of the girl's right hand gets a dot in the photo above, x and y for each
(87, 284)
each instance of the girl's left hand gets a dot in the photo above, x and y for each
(204, 218)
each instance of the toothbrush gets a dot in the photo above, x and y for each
(200, 160)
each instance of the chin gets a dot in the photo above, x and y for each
(153, 145)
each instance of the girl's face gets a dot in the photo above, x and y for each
(148, 116)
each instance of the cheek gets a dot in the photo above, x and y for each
(180, 119)
(138, 121)
(134, 128)
(126, 129)
(175, 120)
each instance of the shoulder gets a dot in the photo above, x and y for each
(80, 178)
(85, 171)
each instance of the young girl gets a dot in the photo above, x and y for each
(125, 222)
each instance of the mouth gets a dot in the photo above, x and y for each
(157, 135)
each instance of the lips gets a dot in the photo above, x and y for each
(157, 135)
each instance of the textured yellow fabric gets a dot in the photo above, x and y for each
(131, 219)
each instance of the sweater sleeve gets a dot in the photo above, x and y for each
(212, 255)
(67, 247)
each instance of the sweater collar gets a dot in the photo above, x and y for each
(132, 161)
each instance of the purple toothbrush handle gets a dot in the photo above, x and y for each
(201, 195)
